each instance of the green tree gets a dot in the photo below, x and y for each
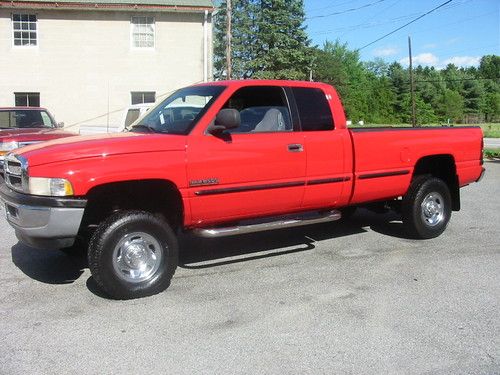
(491, 106)
(339, 66)
(425, 113)
(268, 40)
(243, 46)
(450, 106)
(400, 82)
(282, 44)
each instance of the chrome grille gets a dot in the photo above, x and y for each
(13, 166)
(16, 168)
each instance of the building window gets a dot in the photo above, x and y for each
(27, 99)
(140, 97)
(143, 32)
(24, 29)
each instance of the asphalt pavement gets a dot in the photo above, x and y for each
(351, 298)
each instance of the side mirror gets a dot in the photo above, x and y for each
(60, 125)
(226, 119)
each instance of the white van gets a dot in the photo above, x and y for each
(130, 114)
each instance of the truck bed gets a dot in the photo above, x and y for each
(385, 158)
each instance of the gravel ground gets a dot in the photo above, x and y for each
(353, 298)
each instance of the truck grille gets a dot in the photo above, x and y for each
(15, 172)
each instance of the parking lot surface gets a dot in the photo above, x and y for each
(344, 298)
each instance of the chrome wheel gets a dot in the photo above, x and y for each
(432, 211)
(137, 257)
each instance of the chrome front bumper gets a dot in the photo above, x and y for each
(40, 221)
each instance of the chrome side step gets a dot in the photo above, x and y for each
(288, 221)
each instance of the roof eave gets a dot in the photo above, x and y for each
(103, 7)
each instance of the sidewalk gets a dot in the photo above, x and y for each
(492, 142)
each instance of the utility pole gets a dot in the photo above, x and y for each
(412, 88)
(229, 11)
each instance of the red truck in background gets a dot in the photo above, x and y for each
(21, 126)
(226, 158)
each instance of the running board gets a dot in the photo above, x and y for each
(288, 221)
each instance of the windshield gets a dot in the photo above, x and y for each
(179, 112)
(25, 118)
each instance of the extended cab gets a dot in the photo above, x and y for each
(226, 158)
(21, 126)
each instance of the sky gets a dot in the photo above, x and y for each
(460, 32)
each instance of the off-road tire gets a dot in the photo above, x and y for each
(424, 188)
(106, 238)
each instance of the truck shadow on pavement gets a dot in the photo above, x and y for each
(197, 253)
(48, 266)
(55, 267)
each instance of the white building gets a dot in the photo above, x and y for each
(88, 60)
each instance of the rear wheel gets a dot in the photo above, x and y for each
(133, 254)
(426, 208)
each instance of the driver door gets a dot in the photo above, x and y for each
(257, 169)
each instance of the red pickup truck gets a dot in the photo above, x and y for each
(226, 158)
(21, 126)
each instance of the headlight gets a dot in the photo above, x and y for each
(7, 146)
(58, 187)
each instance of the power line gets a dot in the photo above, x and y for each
(371, 17)
(331, 6)
(346, 10)
(406, 24)
(366, 25)
(369, 25)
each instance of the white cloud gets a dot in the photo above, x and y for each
(462, 61)
(426, 58)
(429, 59)
(388, 51)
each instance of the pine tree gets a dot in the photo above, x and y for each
(243, 38)
(268, 40)
(282, 43)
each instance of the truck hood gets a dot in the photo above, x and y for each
(32, 134)
(83, 147)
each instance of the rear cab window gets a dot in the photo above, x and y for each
(313, 109)
(262, 109)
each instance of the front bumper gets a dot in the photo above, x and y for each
(42, 222)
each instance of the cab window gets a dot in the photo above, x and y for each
(314, 109)
(262, 109)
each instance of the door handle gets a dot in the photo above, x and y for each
(295, 147)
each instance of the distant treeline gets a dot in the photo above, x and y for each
(270, 41)
(378, 92)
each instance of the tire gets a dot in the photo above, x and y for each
(133, 254)
(426, 208)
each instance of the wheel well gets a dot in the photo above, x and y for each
(159, 197)
(443, 167)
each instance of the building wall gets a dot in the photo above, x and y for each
(84, 65)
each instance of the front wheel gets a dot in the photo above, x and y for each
(133, 254)
(426, 208)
